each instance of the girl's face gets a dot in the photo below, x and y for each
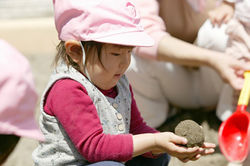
(106, 71)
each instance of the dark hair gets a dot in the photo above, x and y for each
(62, 54)
(7, 145)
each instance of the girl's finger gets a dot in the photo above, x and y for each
(184, 151)
(196, 157)
(193, 150)
(178, 139)
(208, 145)
(189, 151)
(184, 160)
(208, 151)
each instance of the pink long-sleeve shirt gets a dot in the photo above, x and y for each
(180, 18)
(79, 118)
(153, 25)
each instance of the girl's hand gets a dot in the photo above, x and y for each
(173, 145)
(206, 149)
(221, 14)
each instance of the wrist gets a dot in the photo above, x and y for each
(143, 143)
(229, 2)
(211, 58)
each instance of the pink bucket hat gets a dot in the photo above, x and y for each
(106, 21)
(17, 95)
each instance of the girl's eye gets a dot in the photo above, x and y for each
(115, 54)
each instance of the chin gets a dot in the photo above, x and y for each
(114, 84)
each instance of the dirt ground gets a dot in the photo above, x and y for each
(39, 49)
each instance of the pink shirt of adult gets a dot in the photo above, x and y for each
(179, 18)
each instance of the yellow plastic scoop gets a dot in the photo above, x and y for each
(234, 132)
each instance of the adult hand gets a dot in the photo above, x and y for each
(174, 50)
(173, 145)
(221, 14)
(230, 69)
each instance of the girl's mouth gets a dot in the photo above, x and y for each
(117, 75)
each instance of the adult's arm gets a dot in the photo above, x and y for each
(174, 50)
(170, 49)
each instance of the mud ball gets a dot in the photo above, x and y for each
(191, 131)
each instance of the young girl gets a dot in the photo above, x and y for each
(18, 100)
(89, 115)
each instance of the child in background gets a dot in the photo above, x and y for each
(88, 112)
(18, 100)
(237, 14)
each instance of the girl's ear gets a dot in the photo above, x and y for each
(74, 50)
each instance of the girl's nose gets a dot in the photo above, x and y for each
(125, 61)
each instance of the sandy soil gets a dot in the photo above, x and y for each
(38, 45)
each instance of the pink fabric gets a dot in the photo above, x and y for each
(239, 40)
(87, 133)
(153, 25)
(17, 95)
(197, 5)
(242, 10)
(107, 21)
(239, 32)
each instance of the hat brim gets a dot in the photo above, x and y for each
(28, 129)
(140, 39)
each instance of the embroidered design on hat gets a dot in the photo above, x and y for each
(131, 10)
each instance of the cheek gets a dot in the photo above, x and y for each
(126, 62)
(94, 70)
(98, 70)
(110, 68)
(129, 60)
(109, 64)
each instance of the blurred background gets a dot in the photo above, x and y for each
(28, 25)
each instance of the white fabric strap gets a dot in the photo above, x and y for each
(231, 1)
(83, 62)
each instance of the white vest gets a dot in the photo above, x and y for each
(114, 114)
